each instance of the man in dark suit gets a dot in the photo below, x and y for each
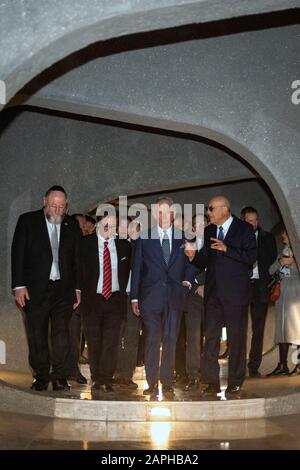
(46, 283)
(259, 300)
(161, 276)
(106, 264)
(228, 252)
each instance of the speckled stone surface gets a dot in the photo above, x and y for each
(259, 398)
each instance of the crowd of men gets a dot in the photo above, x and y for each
(109, 278)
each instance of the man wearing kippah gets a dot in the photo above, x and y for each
(46, 284)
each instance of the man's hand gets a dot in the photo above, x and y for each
(190, 249)
(135, 308)
(286, 260)
(218, 245)
(21, 295)
(78, 299)
(200, 291)
(186, 284)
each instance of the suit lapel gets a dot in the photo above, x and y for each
(119, 255)
(157, 249)
(231, 231)
(176, 244)
(95, 255)
(44, 232)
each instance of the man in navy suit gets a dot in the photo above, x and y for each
(229, 252)
(161, 276)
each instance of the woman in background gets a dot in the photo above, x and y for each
(287, 308)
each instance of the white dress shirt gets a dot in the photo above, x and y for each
(114, 264)
(255, 274)
(199, 243)
(50, 227)
(161, 234)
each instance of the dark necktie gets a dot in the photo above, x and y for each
(221, 234)
(221, 238)
(166, 247)
(54, 248)
(106, 290)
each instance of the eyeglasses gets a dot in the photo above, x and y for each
(60, 208)
(212, 208)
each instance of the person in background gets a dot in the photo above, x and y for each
(131, 325)
(260, 277)
(75, 327)
(194, 312)
(287, 307)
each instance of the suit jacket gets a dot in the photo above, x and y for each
(32, 256)
(155, 284)
(91, 269)
(266, 255)
(227, 274)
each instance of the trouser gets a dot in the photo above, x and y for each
(258, 312)
(235, 318)
(102, 325)
(54, 310)
(128, 343)
(162, 327)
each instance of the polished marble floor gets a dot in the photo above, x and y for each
(252, 388)
(33, 433)
(19, 431)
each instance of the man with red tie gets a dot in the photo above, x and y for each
(106, 266)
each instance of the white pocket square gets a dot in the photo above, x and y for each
(122, 259)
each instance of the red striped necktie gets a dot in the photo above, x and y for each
(106, 290)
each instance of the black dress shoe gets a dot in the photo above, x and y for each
(280, 369)
(107, 388)
(232, 389)
(80, 379)
(128, 383)
(60, 384)
(39, 385)
(212, 389)
(96, 386)
(296, 370)
(224, 355)
(152, 390)
(167, 391)
(254, 374)
(193, 384)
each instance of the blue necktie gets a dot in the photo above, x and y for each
(221, 234)
(221, 238)
(166, 247)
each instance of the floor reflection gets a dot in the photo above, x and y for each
(27, 432)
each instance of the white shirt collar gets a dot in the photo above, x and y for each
(104, 239)
(161, 231)
(226, 224)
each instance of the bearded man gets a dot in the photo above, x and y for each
(46, 284)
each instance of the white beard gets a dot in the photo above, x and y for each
(55, 219)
